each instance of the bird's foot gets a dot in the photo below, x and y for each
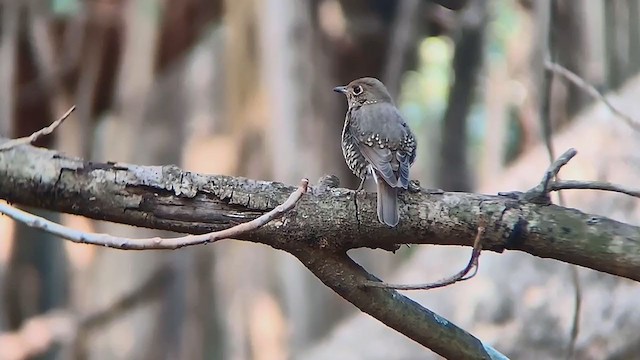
(361, 186)
(414, 186)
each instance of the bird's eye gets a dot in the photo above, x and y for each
(357, 90)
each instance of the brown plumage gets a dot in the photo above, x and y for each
(376, 139)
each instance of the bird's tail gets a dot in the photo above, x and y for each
(387, 203)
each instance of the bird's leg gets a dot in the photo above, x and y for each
(364, 178)
(361, 187)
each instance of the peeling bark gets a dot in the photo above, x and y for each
(165, 197)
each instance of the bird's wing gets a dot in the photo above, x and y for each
(380, 131)
(406, 155)
(382, 161)
(405, 163)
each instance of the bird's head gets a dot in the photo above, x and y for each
(364, 91)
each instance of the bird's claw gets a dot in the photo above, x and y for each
(414, 186)
(361, 186)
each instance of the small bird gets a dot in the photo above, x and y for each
(377, 140)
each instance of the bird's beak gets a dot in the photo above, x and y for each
(340, 89)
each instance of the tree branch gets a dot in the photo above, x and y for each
(348, 279)
(165, 197)
(589, 89)
(540, 193)
(154, 243)
(38, 134)
(461, 275)
(591, 185)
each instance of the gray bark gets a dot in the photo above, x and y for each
(164, 197)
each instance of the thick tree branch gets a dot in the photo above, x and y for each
(164, 197)
(348, 279)
(154, 243)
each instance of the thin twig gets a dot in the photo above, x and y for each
(38, 134)
(540, 193)
(460, 276)
(575, 324)
(591, 185)
(591, 90)
(154, 243)
(554, 168)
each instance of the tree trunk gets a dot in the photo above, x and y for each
(126, 136)
(36, 276)
(453, 171)
(616, 17)
(570, 48)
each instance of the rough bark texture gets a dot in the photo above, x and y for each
(164, 197)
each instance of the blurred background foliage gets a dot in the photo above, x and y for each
(243, 87)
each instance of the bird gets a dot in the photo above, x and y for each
(377, 140)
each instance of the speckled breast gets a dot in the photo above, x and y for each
(352, 155)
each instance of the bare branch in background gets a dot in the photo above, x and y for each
(460, 276)
(41, 332)
(38, 134)
(402, 39)
(9, 37)
(575, 323)
(540, 193)
(591, 185)
(591, 90)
